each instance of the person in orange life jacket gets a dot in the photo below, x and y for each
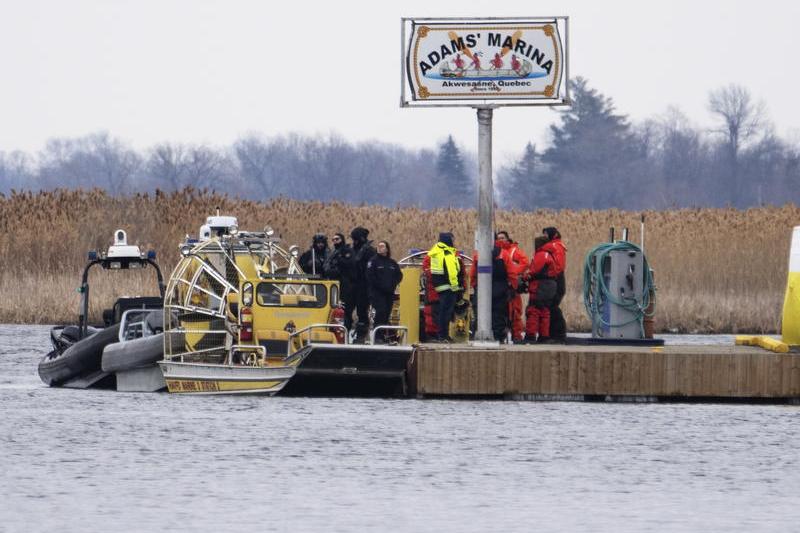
(447, 281)
(541, 292)
(516, 263)
(383, 276)
(356, 270)
(313, 260)
(554, 246)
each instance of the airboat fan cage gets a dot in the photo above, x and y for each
(202, 297)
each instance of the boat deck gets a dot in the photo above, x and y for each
(615, 373)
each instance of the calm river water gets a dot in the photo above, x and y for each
(105, 461)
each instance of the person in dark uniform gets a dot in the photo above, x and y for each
(356, 270)
(336, 267)
(501, 293)
(336, 260)
(313, 260)
(383, 276)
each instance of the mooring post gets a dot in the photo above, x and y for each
(483, 236)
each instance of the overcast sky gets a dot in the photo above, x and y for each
(207, 71)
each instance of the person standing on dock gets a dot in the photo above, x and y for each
(516, 262)
(541, 293)
(445, 273)
(383, 276)
(554, 246)
(357, 271)
(500, 296)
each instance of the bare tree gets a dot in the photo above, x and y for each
(256, 159)
(166, 165)
(96, 160)
(741, 118)
(206, 167)
(15, 171)
(115, 162)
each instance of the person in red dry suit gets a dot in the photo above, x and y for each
(558, 326)
(541, 293)
(516, 263)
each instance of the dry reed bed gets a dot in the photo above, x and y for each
(717, 270)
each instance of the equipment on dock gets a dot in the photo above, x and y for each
(618, 290)
(76, 358)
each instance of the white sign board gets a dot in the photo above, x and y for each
(472, 62)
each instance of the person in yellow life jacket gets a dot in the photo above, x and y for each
(516, 263)
(446, 274)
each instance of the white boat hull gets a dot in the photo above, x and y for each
(201, 378)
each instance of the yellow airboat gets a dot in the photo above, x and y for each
(240, 316)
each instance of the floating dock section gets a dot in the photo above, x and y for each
(606, 373)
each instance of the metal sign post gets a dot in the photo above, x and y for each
(484, 63)
(484, 234)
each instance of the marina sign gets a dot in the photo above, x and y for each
(484, 61)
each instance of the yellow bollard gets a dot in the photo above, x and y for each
(409, 302)
(790, 325)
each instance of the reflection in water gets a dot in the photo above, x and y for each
(88, 460)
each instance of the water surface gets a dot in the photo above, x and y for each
(101, 460)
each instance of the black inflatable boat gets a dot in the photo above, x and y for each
(76, 359)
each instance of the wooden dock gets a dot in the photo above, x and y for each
(611, 373)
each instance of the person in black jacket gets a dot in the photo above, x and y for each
(313, 260)
(383, 276)
(356, 270)
(500, 296)
(336, 264)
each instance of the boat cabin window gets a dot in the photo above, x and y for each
(289, 294)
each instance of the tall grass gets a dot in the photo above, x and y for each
(717, 270)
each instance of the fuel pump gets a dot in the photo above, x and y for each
(617, 290)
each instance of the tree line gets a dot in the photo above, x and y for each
(594, 157)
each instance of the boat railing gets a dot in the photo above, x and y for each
(402, 329)
(307, 331)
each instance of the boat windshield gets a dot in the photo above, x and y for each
(291, 294)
